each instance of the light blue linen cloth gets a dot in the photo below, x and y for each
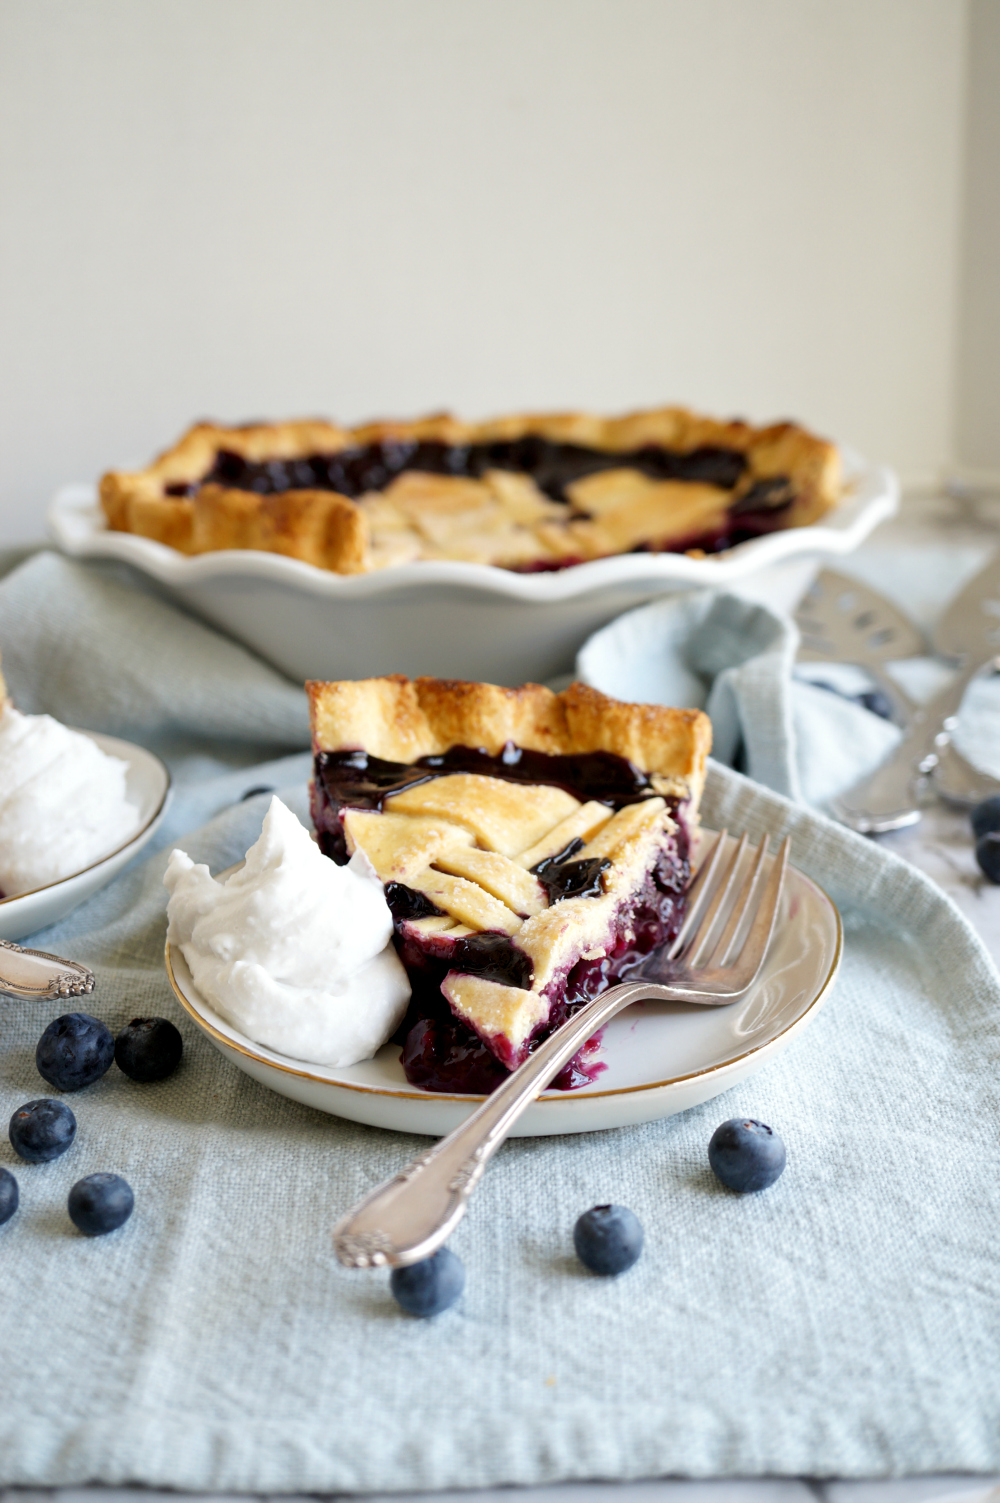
(844, 1323)
(737, 660)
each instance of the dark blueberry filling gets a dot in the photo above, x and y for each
(429, 957)
(572, 879)
(360, 781)
(405, 903)
(764, 496)
(553, 466)
(494, 958)
(441, 1053)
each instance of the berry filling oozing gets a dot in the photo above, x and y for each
(440, 1052)
(552, 466)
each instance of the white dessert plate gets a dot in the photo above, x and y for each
(147, 784)
(661, 1058)
(459, 620)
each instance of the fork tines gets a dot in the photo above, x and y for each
(731, 909)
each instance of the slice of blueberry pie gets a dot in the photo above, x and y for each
(533, 847)
(529, 492)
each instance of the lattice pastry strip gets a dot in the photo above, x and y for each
(582, 824)
(467, 902)
(625, 825)
(504, 817)
(504, 879)
(483, 890)
(400, 846)
(496, 1012)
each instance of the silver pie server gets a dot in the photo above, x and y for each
(37, 975)
(888, 798)
(841, 620)
(968, 632)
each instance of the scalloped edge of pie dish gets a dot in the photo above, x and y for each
(76, 523)
(401, 1107)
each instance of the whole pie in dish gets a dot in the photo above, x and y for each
(533, 848)
(522, 492)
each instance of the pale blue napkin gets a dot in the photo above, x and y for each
(844, 1323)
(770, 717)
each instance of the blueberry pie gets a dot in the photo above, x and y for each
(533, 847)
(521, 492)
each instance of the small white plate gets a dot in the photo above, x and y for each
(147, 784)
(661, 1058)
(460, 620)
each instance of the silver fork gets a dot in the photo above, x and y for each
(409, 1216)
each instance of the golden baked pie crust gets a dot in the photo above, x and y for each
(469, 842)
(402, 719)
(501, 518)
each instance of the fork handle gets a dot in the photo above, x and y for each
(409, 1216)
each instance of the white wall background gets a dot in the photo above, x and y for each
(245, 208)
(978, 405)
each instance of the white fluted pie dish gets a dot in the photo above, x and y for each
(459, 620)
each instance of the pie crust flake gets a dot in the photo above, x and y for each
(526, 492)
(533, 847)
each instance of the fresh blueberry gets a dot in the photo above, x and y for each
(429, 1287)
(41, 1130)
(746, 1155)
(876, 701)
(986, 817)
(74, 1051)
(100, 1203)
(988, 855)
(608, 1239)
(9, 1195)
(148, 1049)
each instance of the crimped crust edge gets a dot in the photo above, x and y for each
(401, 719)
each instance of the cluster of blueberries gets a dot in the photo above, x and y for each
(73, 1052)
(986, 834)
(745, 1155)
(76, 1050)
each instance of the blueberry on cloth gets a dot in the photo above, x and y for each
(41, 1130)
(429, 1287)
(148, 1049)
(988, 855)
(100, 1203)
(986, 817)
(746, 1155)
(877, 701)
(9, 1195)
(74, 1051)
(608, 1239)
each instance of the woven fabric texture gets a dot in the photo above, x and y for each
(844, 1323)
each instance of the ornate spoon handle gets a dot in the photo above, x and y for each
(34, 974)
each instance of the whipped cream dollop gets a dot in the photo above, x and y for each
(292, 949)
(62, 802)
